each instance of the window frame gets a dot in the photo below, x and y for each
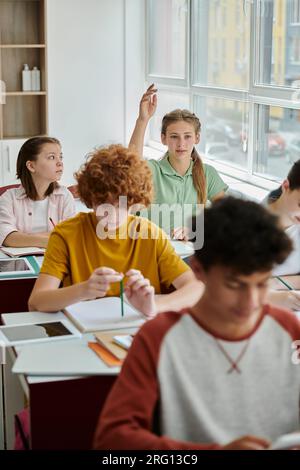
(256, 95)
(164, 79)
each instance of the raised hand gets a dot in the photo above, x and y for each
(148, 103)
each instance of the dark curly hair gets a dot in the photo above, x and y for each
(113, 172)
(243, 236)
(293, 178)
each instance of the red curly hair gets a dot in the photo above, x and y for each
(113, 172)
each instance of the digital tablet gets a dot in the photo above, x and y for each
(15, 266)
(37, 332)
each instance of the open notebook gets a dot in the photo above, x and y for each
(183, 249)
(25, 251)
(103, 314)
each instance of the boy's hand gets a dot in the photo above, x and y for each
(99, 281)
(180, 233)
(140, 293)
(248, 443)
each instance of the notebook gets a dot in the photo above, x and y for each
(103, 314)
(106, 356)
(106, 340)
(182, 248)
(25, 251)
(124, 341)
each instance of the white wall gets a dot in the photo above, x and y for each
(88, 81)
(135, 60)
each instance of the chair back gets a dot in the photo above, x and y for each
(74, 190)
(5, 188)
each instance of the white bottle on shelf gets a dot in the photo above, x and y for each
(26, 78)
(35, 79)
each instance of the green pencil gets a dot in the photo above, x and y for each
(284, 283)
(121, 297)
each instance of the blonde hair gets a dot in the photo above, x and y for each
(198, 170)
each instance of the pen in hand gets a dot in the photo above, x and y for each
(52, 222)
(121, 297)
(286, 284)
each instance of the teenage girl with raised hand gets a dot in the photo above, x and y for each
(285, 203)
(29, 212)
(180, 176)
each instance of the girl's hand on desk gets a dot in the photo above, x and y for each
(99, 281)
(140, 293)
(42, 239)
(288, 298)
(180, 233)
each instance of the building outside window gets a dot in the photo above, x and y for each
(236, 64)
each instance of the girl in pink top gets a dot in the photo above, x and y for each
(29, 212)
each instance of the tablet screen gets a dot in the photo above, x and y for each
(36, 331)
(13, 266)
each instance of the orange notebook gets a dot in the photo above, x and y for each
(107, 357)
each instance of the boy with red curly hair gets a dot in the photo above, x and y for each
(90, 253)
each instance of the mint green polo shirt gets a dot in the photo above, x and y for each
(171, 188)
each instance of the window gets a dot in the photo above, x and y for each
(210, 34)
(277, 128)
(295, 51)
(224, 133)
(295, 12)
(238, 69)
(167, 39)
(167, 101)
(278, 48)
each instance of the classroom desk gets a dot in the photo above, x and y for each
(15, 292)
(63, 410)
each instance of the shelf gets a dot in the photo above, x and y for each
(25, 93)
(24, 114)
(22, 41)
(17, 137)
(12, 63)
(22, 22)
(22, 46)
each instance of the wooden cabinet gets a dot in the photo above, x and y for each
(22, 41)
(9, 149)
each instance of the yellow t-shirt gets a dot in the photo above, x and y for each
(74, 251)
